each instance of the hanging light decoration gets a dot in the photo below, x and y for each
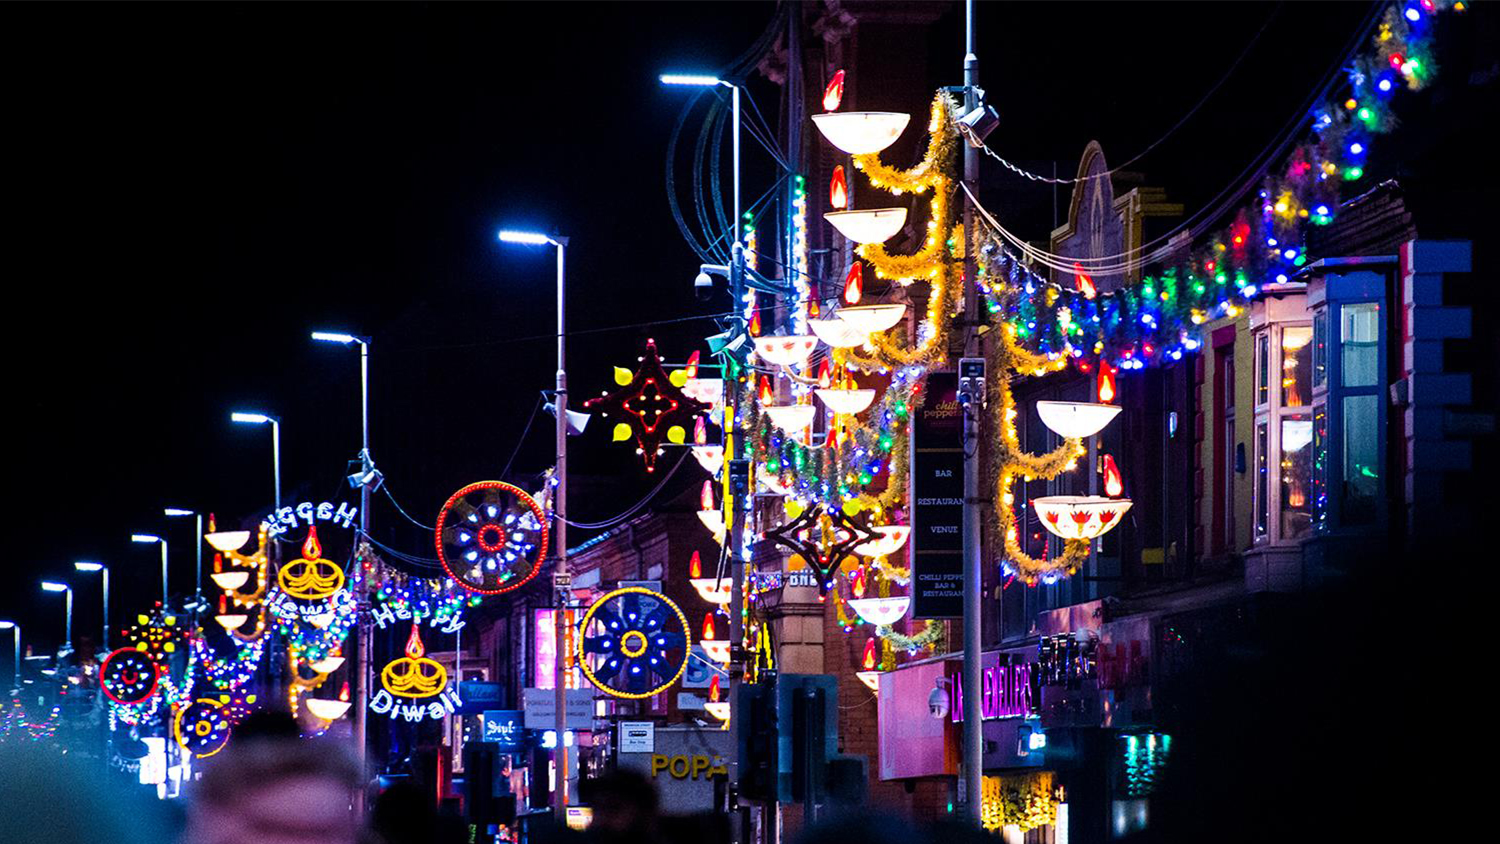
(891, 538)
(871, 225)
(1080, 516)
(837, 333)
(714, 590)
(785, 351)
(846, 401)
(716, 648)
(1076, 419)
(869, 675)
(791, 418)
(861, 132)
(709, 513)
(227, 540)
(838, 189)
(1106, 388)
(872, 319)
(1114, 483)
(854, 285)
(881, 612)
(1085, 283)
(716, 707)
(833, 95)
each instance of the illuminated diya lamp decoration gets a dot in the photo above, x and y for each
(716, 648)
(785, 351)
(854, 285)
(710, 457)
(230, 621)
(714, 590)
(856, 132)
(755, 323)
(869, 675)
(1080, 516)
(716, 707)
(837, 333)
(881, 612)
(709, 513)
(1106, 384)
(311, 578)
(329, 710)
(1114, 483)
(414, 675)
(888, 541)
(838, 189)
(872, 319)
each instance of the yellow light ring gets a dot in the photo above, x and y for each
(588, 617)
(177, 727)
(411, 681)
(311, 580)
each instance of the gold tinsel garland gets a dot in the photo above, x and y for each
(1008, 460)
(1025, 800)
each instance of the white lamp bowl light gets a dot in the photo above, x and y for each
(710, 391)
(328, 710)
(231, 621)
(710, 457)
(847, 402)
(230, 580)
(785, 351)
(872, 318)
(791, 418)
(713, 520)
(320, 621)
(228, 540)
(861, 132)
(837, 333)
(1080, 516)
(872, 225)
(770, 482)
(881, 612)
(1076, 419)
(891, 538)
(718, 708)
(327, 665)
(871, 679)
(717, 649)
(714, 590)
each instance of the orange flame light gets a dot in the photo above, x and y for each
(857, 582)
(838, 189)
(825, 375)
(854, 285)
(755, 323)
(869, 662)
(414, 647)
(695, 566)
(692, 365)
(1085, 283)
(833, 95)
(765, 390)
(708, 626)
(1106, 382)
(344, 692)
(713, 689)
(1114, 484)
(706, 497)
(700, 432)
(312, 549)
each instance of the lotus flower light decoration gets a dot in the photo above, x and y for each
(1080, 516)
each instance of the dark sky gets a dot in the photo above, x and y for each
(193, 188)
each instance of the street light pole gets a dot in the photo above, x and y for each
(149, 538)
(11, 625)
(358, 680)
(560, 580)
(104, 627)
(54, 586)
(973, 603)
(275, 423)
(197, 557)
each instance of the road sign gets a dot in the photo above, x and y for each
(504, 727)
(637, 737)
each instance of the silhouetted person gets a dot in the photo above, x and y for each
(624, 804)
(49, 798)
(269, 790)
(404, 814)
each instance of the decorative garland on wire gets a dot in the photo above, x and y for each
(929, 637)
(1158, 319)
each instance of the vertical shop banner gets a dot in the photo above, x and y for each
(937, 513)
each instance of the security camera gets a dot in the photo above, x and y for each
(937, 701)
(703, 286)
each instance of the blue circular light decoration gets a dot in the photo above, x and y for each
(634, 643)
(128, 676)
(491, 537)
(202, 727)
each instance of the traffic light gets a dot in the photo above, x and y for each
(807, 710)
(758, 741)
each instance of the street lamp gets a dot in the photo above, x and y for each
(700, 81)
(275, 423)
(104, 627)
(171, 512)
(368, 480)
(54, 586)
(560, 497)
(11, 625)
(147, 538)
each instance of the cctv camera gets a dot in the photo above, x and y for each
(703, 286)
(937, 702)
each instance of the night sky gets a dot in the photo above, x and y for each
(194, 188)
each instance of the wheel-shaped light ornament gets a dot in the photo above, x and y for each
(634, 643)
(128, 676)
(202, 727)
(491, 537)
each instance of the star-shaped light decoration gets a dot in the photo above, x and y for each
(823, 538)
(650, 406)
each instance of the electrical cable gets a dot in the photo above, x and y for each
(522, 439)
(578, 333)
(1154, 144)
(426, 562)
(386, 488)
(634, 508)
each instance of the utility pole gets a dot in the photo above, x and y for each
(561, 581)
(362, 638)
(972, 762)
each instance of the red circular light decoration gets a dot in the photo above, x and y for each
(128, 676)
(491, 537)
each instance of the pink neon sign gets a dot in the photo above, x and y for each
(1005, 692)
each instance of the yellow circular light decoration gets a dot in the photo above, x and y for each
(202, 727)
(628, 647)
(414, 675)
(311, 578)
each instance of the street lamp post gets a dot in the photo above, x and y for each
(146, 538)
(197, 557)
(54, 586)
(700, 81)
(275, 423)
(560, 586)
(362, 645)
(16, 628)
(104, 626)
